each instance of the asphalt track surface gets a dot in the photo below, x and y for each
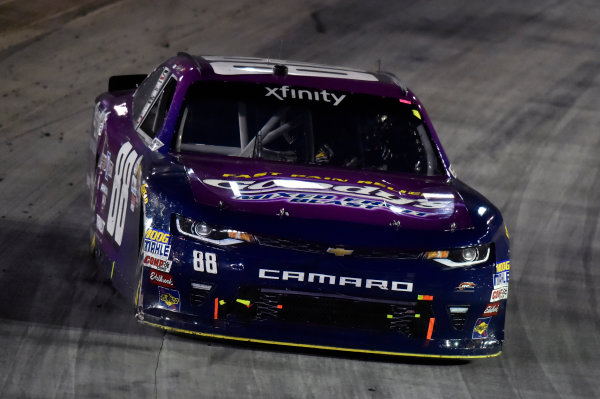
(513, 90)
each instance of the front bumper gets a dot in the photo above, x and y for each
(278, 296)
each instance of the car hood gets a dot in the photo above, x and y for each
(313, 192)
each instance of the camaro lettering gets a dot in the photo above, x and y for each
(318, 278)
(284, 92)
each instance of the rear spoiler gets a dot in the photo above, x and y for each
(124, 82)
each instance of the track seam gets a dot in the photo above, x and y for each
(162, 342)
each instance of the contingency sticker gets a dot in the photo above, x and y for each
(491, 309)
(501, 279)
(157, 249)
(481, 327)
(169, 299)
(499, 294)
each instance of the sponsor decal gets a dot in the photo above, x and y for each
(99, 122)
(157, 263)
(106, 163)
(381, 185)
(144, 190)
(169, 299)
(502, 266)
(287, 92)
(135, 183)
(499, 294)
(100, 224)
(103, 165)
(160, 278)
(117, 211)
(501, 279)
(318, 278)
(466, 286)
(103, 202)
(111, 168)
(157, 250)
(104, 189)
(323, 193)
(481, 327)
(491, 309)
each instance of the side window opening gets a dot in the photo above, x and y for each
(155, 119)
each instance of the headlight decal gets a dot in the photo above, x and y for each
(201, 231)
(462, 257)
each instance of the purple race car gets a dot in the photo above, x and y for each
(292, 203)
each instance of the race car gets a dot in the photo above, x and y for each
(292, 203)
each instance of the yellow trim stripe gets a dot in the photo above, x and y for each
(112, 270)
(262, 341)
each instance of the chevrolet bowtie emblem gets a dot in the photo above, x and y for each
(340, 251)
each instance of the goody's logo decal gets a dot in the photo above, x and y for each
(169, 299)
(481, 327)
(365, 194)
(157, 250)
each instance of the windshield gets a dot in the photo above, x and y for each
(306, 126)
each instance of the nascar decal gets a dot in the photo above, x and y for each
(157, 250)
(481, 327)
(162, 279)
(499, 294)
(322, 193)
(169, 299)
(491, 309)
(117, 211)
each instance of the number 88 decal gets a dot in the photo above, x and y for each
(205, 262)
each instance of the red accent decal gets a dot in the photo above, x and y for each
(430, 329)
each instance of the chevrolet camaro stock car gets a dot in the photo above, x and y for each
(291, 203)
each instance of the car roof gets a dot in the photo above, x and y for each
(286, 72)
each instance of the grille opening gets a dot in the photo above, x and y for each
(408, 318)
(458, 316)
(199, 293)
